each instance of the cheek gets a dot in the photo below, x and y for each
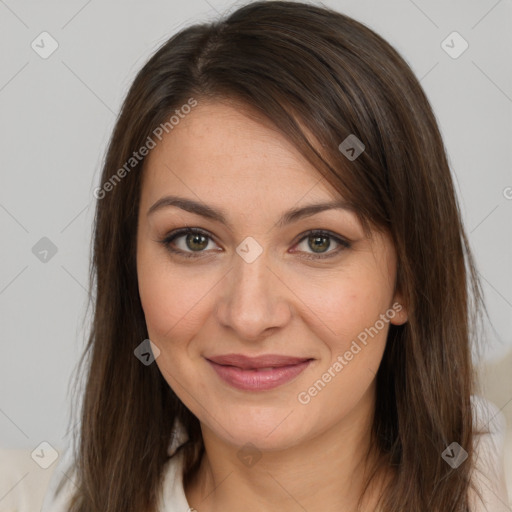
(175, 300)
(348, 304)
(164, 295)
(354, 345)
(170, 307)
(354, 336)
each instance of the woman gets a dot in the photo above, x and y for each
(276, 214)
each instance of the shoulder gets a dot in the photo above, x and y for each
(27, 478)
(488, 473)
(173, 493)
(172, 496)
(57, 499)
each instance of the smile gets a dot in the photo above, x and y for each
(259, 378)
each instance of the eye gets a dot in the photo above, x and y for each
(319, 241)
(194, 242)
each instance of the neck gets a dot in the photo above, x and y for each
(326, 473)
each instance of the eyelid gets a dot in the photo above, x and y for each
(170, 237)
(343, 242)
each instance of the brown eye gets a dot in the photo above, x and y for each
(187, 241)
(196, 241)
(319, 242)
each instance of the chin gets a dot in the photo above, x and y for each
(271, 434)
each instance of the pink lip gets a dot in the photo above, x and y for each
(248, 373)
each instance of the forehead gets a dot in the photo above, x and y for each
(224, 152)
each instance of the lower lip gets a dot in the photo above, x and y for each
(258, 380)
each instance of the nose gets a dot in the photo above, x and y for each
(254, 302)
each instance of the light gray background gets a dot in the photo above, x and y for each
(57, 115)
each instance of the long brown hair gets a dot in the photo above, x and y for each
(318, 76)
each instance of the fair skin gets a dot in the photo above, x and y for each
(281, 303)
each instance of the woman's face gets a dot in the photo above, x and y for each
(258, 283)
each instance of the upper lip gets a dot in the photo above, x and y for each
(264, 361)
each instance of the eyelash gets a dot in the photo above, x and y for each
(343, 244)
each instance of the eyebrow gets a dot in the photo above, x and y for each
(220, 215)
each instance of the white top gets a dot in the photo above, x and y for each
(489, 452)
